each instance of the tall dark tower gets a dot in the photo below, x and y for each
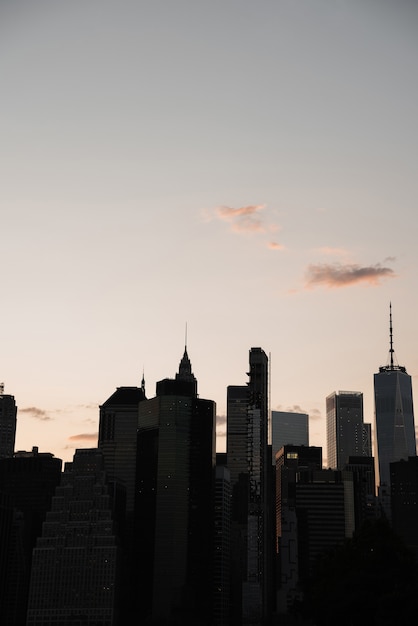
(8, 412)
(394, 414)
(118, 427)
(249, 463)
(174, 505)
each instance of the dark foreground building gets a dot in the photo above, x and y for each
(249, 463)
(174, 504)
(75, 566)
(27, 484)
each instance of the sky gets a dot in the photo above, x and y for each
(231, 173)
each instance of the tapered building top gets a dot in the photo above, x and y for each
(184, 384)
(185, 368)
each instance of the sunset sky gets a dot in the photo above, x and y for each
(248, 169)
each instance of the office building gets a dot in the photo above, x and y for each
(27, 484)
(118, 425)
(325, 515)
(174, 507)
(290, 462)
(249, 462)
(394, 415)
(288, 428)
(364, 481)
(222, 544)
(347, 435)
(8, 412)
(75, 566)
(404, 501)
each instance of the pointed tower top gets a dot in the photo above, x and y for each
(185, 368)
(391, 351)
(143, 382)
(393, 364)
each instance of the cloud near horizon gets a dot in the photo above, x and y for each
(37, 413)
(84, 437)
(336, 275)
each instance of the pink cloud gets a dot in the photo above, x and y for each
(84, 437)
(242, 219)
(273, 245)
(337, 275)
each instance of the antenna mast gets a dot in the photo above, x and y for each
(391, 336)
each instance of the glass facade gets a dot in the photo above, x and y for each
(394, 418)
(288, 428)
(346, 432)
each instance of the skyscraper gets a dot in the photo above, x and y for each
(8, 412)
(249, 462)
(290, 461)
(347, 435)
(28, 480)
(174, 505)
(118, 426)
(74, 577)
(394, 414)
(288, 428)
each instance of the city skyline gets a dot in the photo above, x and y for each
(247, 170)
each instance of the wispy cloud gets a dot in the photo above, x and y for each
(84, 437)
(243, 219)
(315, 414)
(37, 413)
(273, 245)
(337, 275)
(331, 251)
(87, 406)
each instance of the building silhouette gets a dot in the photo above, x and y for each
(325, 515)
(347, 435)
(222, 543)
(394, 417)
(174, 518)
(27, 484)
(404, 501)
(291, 460)
(117, 441)
(75, 566)
(364, 482)
(118, 425)
(249, 462)
(288, 428)
(8, 412)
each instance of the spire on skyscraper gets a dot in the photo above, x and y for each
(143, 382)
(392, 364)
(185, 367)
